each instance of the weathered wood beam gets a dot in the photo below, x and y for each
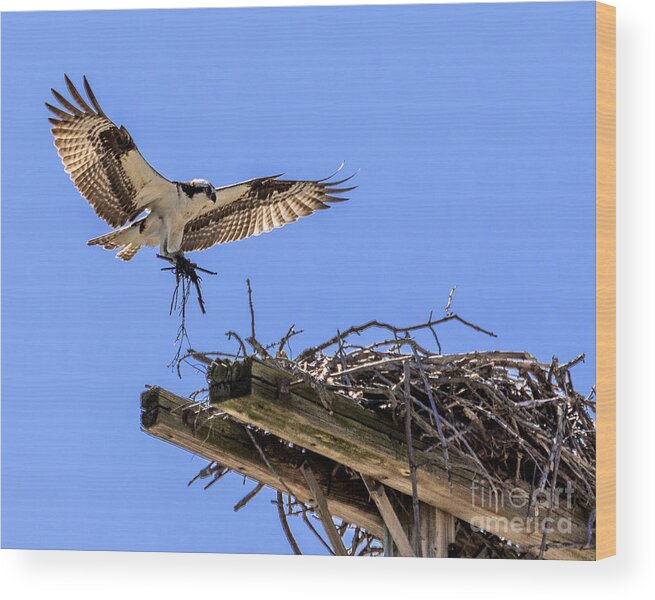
(319, 503)
(391, 521)
(437, 531)
(275, 400)
(216, 437)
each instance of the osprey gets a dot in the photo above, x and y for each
(149, 210)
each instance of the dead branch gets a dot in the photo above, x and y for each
(248, 497)
(252, 340)
(285, 525)
(395, 330)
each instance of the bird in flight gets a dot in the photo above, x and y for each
(146, 209)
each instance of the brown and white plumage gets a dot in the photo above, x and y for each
(110, 172)
(101, 158)
(257, 206)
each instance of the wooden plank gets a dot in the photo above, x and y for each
(368, 443)
(190, 426)
(437, 531)
(391, 521)
(605, 280)
(319, 502)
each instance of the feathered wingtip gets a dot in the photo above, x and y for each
(328, 185)
(80, 109)
(341, 166)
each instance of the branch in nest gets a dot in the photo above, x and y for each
(395, 330)
(252, 340)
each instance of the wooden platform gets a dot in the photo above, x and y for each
(337, 431)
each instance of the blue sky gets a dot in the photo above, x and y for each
(473, 127)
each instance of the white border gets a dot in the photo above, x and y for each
(100, 575)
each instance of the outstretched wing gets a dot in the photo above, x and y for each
(257, 206)
(101, 158)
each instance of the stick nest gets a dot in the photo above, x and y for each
(519, 420)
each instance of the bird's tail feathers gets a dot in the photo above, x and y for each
(118, 239)
(128, 252)
(109, 241)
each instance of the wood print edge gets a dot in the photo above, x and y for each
(606, 279)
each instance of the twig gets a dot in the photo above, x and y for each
(252, 311)
(393, 329)
(450, 301)
(435, 411)
(204, 472)
(186, 272)
(313, 529)
(285, 339)
(434, 334)
(185, 276)
(217, 477)
(248, 497)
(252, 340)
(268, 464)
(553, 484)
(242, 346)
(285, 525)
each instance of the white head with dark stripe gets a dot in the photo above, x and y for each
(201, 186)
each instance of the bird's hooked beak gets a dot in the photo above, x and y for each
(212, 196)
